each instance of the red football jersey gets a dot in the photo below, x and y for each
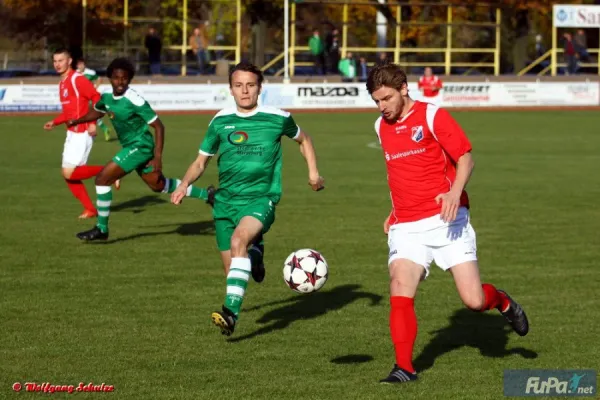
(426, 84)
(421, 151)
(76, 92)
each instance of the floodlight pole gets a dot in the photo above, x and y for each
(286, 42)
(84, 27)
(125, 26)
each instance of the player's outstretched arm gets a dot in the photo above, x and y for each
(307, 149)
(194, 172)
(92, 115)
(61, 119)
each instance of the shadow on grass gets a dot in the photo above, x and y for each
(352, 359)
(488, 332)
(136, 205)
(186, 229)
(306, 306)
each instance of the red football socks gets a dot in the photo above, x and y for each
(494, 298)
(85, 172)
(79, 191)
(403, 329)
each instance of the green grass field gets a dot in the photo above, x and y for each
(135, 312)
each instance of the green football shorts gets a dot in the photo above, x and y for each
(228, 216)
(132, 158)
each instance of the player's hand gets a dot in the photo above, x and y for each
(316, 182)
(92, 130)
(179, 193)
(156, 164)
(450, 203)
(49, 125)
(386, 225)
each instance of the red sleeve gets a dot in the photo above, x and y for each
(87, 89)
(420, 84)
(61, 119)
(448, 133)
(440, 83)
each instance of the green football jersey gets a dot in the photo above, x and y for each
(90, 74)
(249, 147)
(130, 115)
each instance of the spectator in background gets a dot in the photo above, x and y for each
(570, 53)
(540, 49)
(332, 50)
(363, 70)
(581, 45)
(317, 51)
(430, 85)
(154, 46)
(199, 44)
(347, 68)
(219, 41)
(383, 59)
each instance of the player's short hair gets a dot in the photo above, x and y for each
(62, 50)
(121, 63)
(247, 67)
(390, 75)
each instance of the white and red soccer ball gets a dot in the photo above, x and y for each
(305, 271)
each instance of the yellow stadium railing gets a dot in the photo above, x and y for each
(184, 46)
(534, 63)
(447, 51)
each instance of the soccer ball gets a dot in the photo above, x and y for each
(305, 271)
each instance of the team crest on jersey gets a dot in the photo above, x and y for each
(417, 133)
(65, 93)
(237, 138)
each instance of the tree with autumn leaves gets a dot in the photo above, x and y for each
(60, 22)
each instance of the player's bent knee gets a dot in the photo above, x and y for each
(67, 172)
(405, 276)
(103, 180)
(238, 245)
(474, 301)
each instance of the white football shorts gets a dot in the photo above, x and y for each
(435, 100)
(431, 239)
(77, 149)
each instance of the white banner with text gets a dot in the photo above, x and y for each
(198, 97)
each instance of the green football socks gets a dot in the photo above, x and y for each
(192, 191)
(237, 282)
(104, 198)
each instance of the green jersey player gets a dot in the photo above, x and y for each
(93, 77)
(248, 140)
(131, 116)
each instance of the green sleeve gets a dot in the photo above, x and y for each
(92, 77)
(146, 112)
(100, 106)
(290, 128)
(210, 144)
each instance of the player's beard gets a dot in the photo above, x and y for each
(393, 116)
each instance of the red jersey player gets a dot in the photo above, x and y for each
(428, 159)
(430, 85)
(75, 93)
